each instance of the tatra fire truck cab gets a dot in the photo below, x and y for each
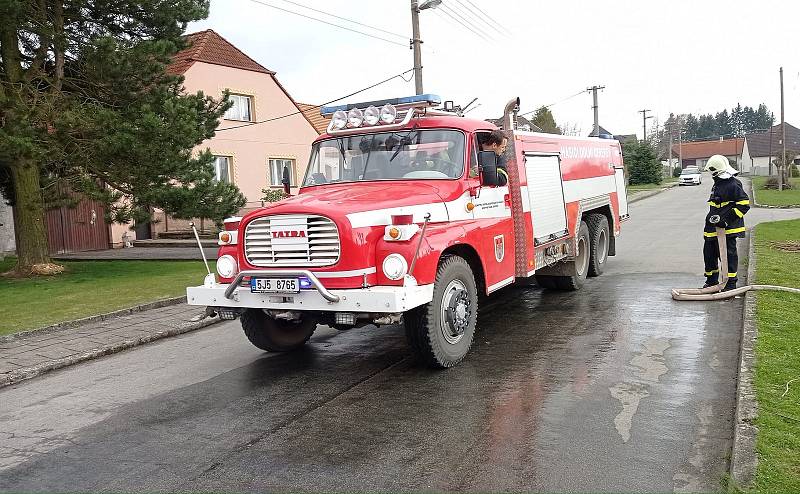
(402, 218)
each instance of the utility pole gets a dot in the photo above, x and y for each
(644, 123)
(680, 147)
(783, 141)
(416, 43)
(416, 46)
(594, 89)
(671, 127)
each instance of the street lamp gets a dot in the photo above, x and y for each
(416, 43)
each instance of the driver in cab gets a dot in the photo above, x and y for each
(497, 142)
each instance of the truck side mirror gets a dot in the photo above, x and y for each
(285, 180)
(487, 164)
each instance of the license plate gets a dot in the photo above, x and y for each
(274, 285)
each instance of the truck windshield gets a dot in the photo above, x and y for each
(406, 155)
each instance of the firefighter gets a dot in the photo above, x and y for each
(727, 206)
(497, 141)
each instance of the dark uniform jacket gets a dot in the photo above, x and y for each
(729, 201)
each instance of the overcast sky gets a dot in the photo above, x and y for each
(666, 56)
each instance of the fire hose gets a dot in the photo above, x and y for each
(715, 292)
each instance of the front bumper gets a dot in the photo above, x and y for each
(380, 299)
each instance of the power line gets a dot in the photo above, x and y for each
(502, 29)
(446, 12)
(328, 23)
(553, 104)
(468, 15)
(477, 19)
(467, 23)
(346, 19)
(400, 75)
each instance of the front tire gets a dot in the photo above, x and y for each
(441, 332)
(599, 241)
(273, 335)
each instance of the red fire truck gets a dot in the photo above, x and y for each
(402, 218)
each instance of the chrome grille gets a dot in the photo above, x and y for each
(319, 247)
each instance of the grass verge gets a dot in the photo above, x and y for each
(778, 359)
(88, 288)
(771, 197)
(641, 187)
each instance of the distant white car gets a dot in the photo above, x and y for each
(690, 176)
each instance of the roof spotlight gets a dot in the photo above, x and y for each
(388, 114)
(355, 118)
(339, 120)
(372, 115)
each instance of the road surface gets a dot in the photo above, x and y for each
(612, 388)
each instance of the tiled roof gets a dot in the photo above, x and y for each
(769, 144)
(706, 149)
(311, 113)
(209, 47)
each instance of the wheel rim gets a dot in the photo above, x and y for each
(602, 247)
(582, 259)
(456, 311)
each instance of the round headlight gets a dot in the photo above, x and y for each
(372, 115)
(339, 119)
(226, 266)
(355, 117)
(388, 114)
(395, 266)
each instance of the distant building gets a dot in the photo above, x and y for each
(697, 153)
(622, 138)
(523, 124)
(763, 148)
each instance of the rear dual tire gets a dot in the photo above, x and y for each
(577, 269)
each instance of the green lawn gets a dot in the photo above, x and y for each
(778, 359)
(641, 187)
(776, 198)
(88, 288)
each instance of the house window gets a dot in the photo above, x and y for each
(222, 168)
(242, 108)
(276, 171)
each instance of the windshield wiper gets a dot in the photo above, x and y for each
(404, 141)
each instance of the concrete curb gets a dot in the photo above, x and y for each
(97, 318)
(650, 193)
(15, 377)
(743, 455)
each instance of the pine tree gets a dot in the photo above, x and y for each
(543, 118)
(642, 163)
(85, 102)
(691, 126)
(723, 124)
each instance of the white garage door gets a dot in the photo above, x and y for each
(548, 211)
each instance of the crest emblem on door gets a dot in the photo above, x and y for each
(499, 248)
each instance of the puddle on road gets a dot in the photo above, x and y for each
(650, 366)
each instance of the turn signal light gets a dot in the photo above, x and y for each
(225, 237)
(470, 206)
(394, 233)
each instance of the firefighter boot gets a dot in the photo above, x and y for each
(730, 285)
(712, 280)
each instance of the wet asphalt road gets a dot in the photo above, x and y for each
(612, 388)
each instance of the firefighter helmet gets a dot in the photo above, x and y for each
(720, 167)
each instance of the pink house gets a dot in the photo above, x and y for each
(250, 156)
